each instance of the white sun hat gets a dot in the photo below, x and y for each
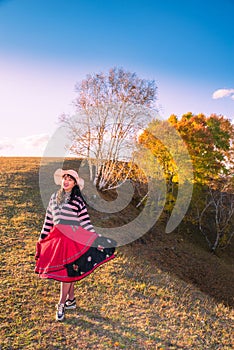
(59, 173)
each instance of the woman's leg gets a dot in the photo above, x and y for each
(64, 290)
(71, 295)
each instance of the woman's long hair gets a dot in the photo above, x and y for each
(76, 192)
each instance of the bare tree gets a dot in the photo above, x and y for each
(216, 219)
(111, 109)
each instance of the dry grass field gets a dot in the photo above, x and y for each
(161, 292)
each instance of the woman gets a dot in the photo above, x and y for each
(69, 248)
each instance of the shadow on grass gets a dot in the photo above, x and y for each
(194, 265)
(104, 326)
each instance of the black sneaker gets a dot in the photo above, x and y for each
(60, 312)
(70, 304)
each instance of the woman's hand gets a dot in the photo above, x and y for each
(38, 249)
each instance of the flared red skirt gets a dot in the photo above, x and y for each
(69, 254)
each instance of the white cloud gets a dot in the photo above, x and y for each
(5, 144)
(35, 140)
(32, 145)
(220, 93)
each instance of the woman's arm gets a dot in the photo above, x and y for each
(48, 222)
(83, 216)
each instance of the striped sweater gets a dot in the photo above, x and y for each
(74, 213)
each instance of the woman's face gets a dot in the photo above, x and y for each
(68, 183)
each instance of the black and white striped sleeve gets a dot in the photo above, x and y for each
(83, 216)
(48, 222)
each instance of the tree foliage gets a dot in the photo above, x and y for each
(210, 144)
(209, 141)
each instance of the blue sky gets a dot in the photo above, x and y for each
(46, 46)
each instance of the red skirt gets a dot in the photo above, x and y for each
(69, 254)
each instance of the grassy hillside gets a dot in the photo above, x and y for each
(161, 292)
